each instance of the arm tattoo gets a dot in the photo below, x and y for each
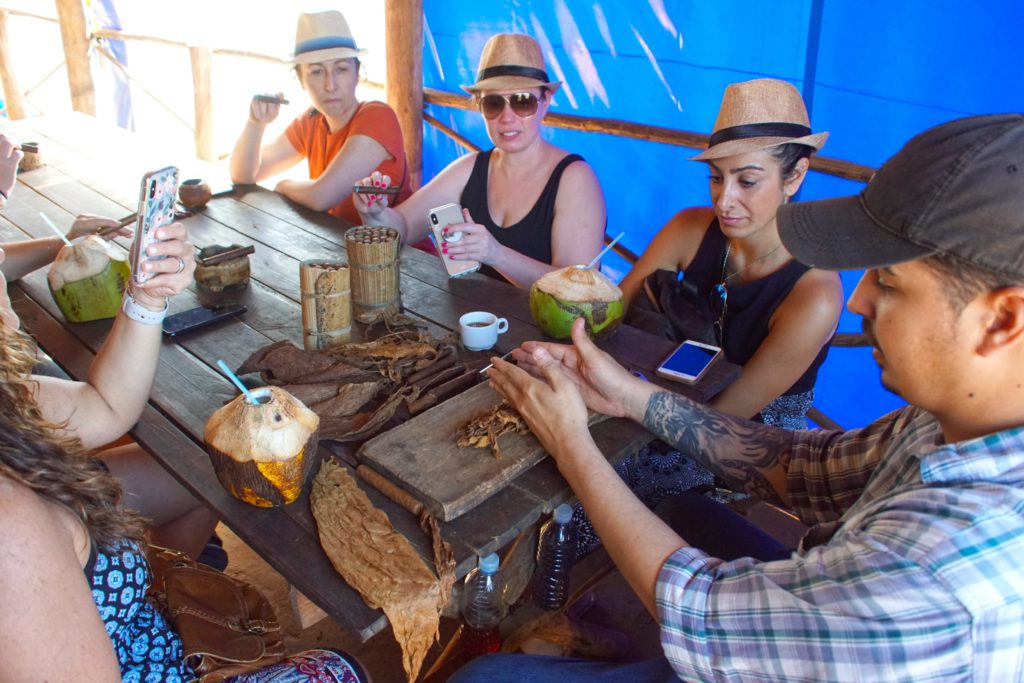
(739, 451)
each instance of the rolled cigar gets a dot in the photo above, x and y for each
(30, 147)
(369, 189)
(390, 489)
(273, 99)
(443, 362)
(130, 218)
(226, 256)
(443, 392)
(442, 377)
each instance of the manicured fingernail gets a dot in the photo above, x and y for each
(376, 183)
(444, 248)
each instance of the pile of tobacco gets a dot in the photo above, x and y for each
(359, 388)
(483, 430)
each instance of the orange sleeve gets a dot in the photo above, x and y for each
(298, 133)
(378, 121)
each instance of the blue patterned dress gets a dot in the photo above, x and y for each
(147, 648)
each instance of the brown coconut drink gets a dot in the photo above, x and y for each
(263, 452)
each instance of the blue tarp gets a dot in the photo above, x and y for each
(873, 73)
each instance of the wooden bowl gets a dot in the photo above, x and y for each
(194, 193)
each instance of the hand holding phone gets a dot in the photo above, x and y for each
(441, 218)
(689, 361)
(196, 318)
(156, 208)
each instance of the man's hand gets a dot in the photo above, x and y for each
(605, 386)
(551, 404)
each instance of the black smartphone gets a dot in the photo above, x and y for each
(196, 318)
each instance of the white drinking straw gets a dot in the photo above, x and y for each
(238, 383)
(53, 227)
(605, 250)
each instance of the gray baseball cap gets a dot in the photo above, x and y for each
(955, 189)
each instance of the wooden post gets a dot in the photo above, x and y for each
(74, 34)
(202, 59)
(14, 98)
(403, 25)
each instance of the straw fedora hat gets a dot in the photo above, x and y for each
(322, 36)
(511, 60)
(757, 115)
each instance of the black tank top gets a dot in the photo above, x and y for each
(530, 236)
(751, 304)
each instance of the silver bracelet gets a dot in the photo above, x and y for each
(139, 313)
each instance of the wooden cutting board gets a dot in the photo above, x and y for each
(420, 455)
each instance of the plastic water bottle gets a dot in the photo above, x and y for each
(482, 608)
(556, 553)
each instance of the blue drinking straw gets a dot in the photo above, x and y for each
(238, 383)
(604, 251)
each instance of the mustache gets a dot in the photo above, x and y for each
(867, 328)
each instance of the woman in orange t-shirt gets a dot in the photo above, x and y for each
(342, 138)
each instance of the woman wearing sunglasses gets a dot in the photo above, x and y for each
(341, 138)
(529, 206)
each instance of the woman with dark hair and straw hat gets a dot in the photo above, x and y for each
(341, 138)
(529, 206)
(722, 274)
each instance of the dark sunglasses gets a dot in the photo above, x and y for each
(523, 104)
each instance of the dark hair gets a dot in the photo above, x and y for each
(963, 281)
(788, 155)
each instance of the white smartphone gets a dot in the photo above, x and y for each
(156, 208)
(441, 218)
(689, 361)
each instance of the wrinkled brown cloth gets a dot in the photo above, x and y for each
(378, 562)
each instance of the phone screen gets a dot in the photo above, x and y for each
(195, 318)
(690, 360)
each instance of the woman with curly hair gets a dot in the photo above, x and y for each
(73, 573)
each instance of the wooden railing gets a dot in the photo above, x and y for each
(404, 90)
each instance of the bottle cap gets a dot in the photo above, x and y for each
(563, 514)
(489, 563)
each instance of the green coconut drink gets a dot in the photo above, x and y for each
(561, 296)
(87, 279)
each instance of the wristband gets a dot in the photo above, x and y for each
(140, 314)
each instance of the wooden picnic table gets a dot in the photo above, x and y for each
(92, 167)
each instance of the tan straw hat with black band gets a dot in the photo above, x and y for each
(509, 61)
(323, 36)
(757, 115)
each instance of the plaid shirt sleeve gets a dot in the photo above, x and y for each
(828, 470)
(843, 612)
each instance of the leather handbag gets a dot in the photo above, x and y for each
(227, 627)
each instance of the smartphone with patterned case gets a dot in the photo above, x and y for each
(440, 218)
(157, 195)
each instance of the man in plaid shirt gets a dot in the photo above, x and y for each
(913, 569)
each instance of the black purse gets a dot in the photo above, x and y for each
(670, 307)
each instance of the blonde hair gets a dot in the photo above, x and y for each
(42, 457)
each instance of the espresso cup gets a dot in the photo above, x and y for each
(480, 330)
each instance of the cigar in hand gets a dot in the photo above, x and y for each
(370, 189)
(272, 99)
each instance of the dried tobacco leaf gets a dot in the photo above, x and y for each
(483, 430)
(364, 425)
(347, 398)
(378, 562)
(284, 363)
(444, 558)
